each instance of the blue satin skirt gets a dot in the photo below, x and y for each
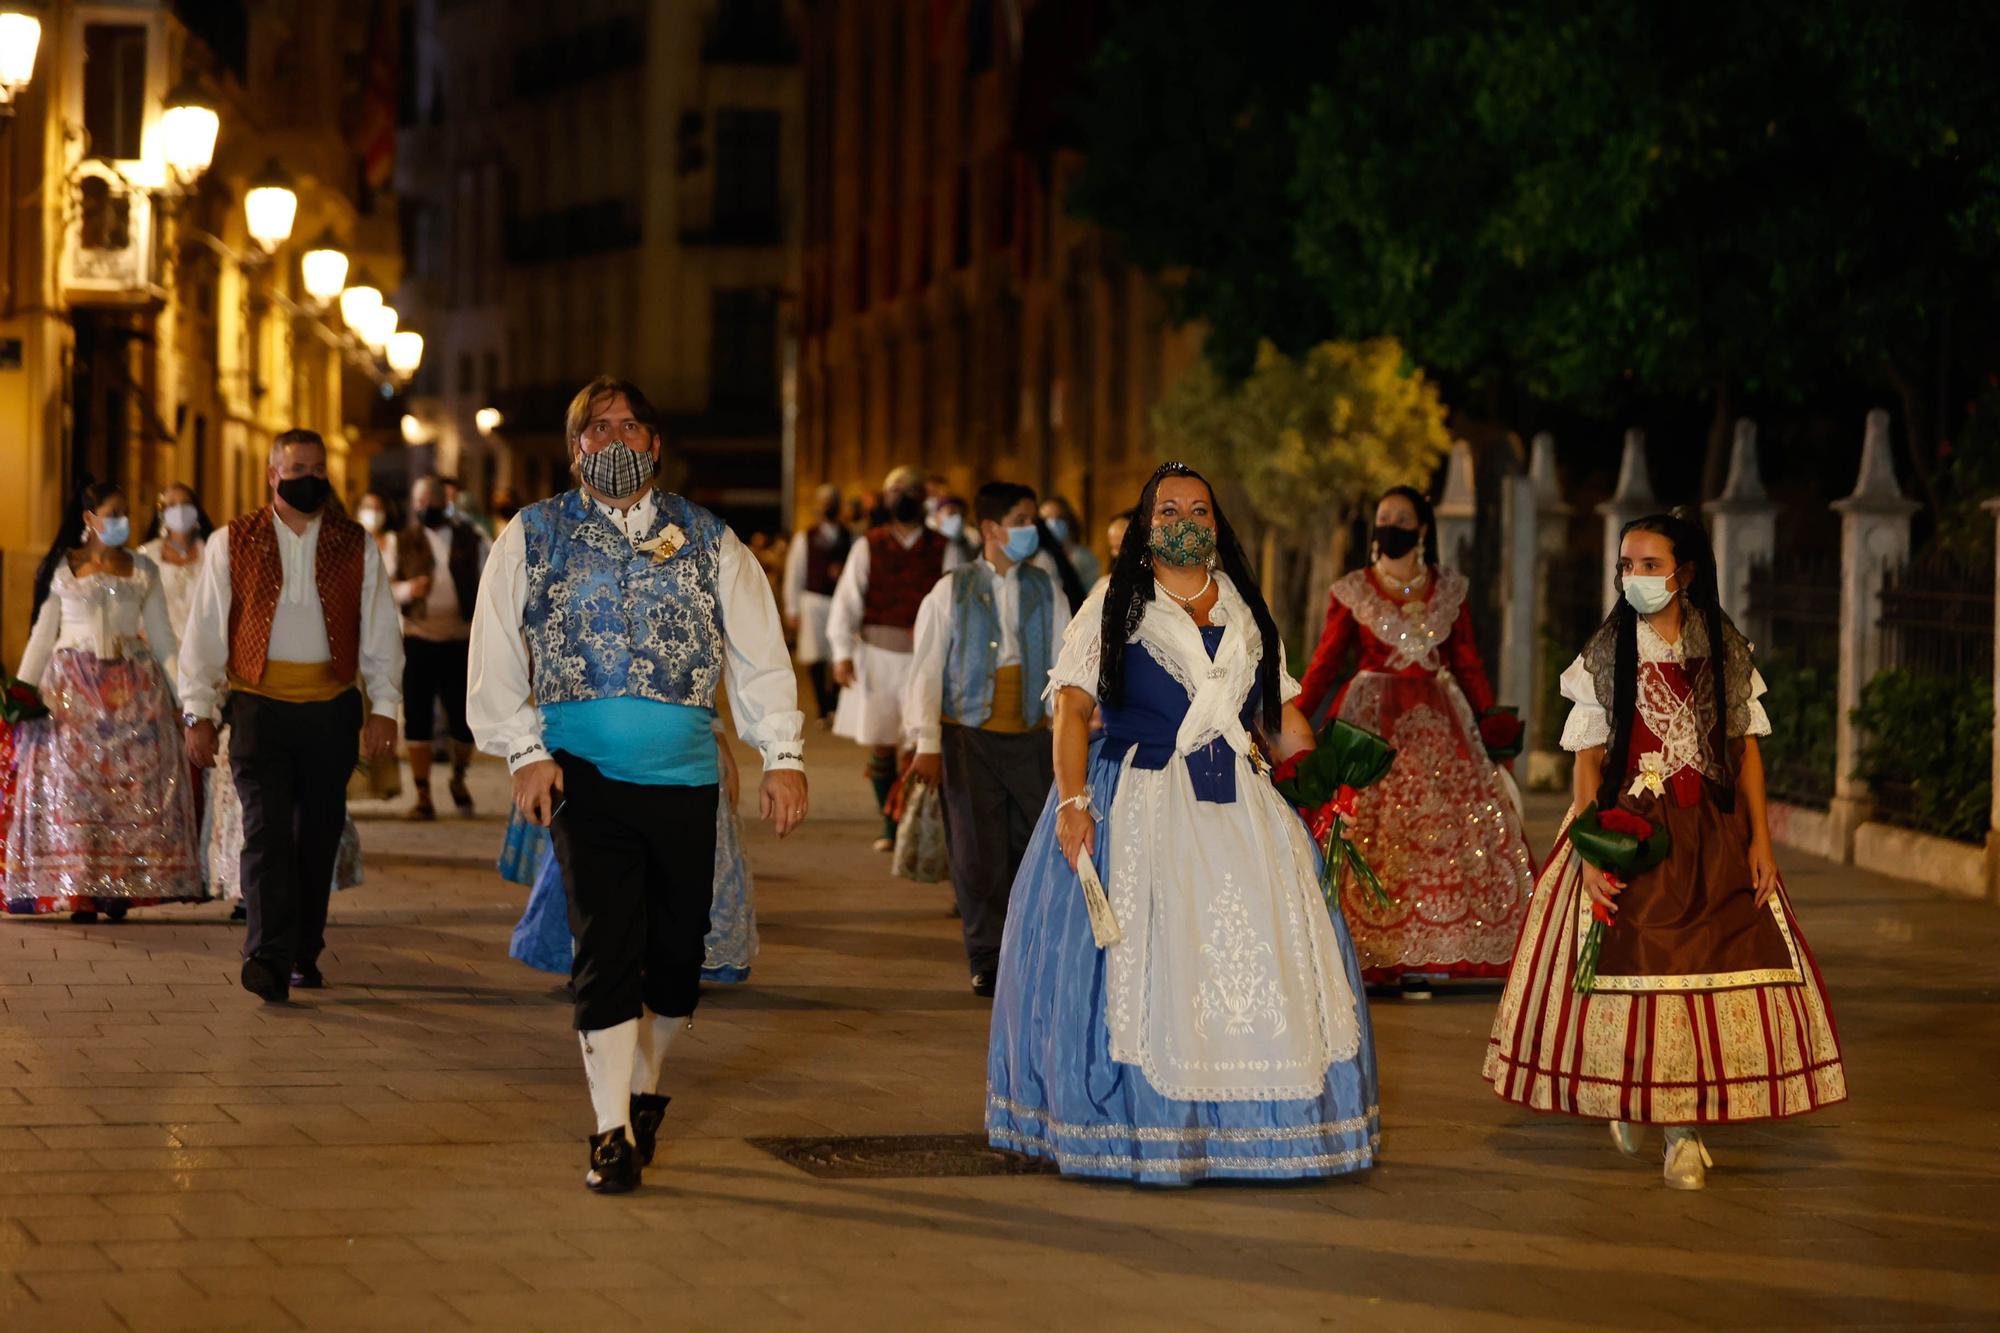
(1053, 1090)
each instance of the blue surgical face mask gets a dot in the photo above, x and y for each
(114, 531)
(1022, 543)
(1647, 593)
(1058, 529)
(951, 526)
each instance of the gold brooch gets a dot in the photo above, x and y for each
(665, 546)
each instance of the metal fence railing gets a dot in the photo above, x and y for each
(1794, 621)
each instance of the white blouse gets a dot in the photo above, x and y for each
(176, 581)
(1589, 726)
(102, 614)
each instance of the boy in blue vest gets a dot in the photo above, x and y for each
(986, 637)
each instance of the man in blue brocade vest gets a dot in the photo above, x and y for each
(606, 619)
(986, 637)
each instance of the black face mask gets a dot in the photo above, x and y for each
(831, 513)
(305, 494)
(1395, 543)
(432, 516)
(908, 508)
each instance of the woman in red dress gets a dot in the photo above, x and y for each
(1443, 829)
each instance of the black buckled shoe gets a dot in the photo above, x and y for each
(307, 976)
(614, 1166)
(648, 1111)
(983, 984)
(265, 981)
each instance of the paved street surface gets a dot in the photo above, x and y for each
(405, 1149)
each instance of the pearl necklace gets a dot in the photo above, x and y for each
(1409, 589)
(1187, 603)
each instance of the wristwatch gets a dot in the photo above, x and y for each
(192, 720)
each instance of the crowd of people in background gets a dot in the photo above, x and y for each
(1178, 962)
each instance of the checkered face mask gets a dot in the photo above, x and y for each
(616, 470)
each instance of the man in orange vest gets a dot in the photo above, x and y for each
(291, 614)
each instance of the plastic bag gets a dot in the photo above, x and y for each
(920, 848)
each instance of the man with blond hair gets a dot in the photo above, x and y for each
(608, 618)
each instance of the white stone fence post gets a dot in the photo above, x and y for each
(1743, 524)
(1633, 499)
(1874, 538)
(1457, 509)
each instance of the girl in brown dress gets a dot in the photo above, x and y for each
(1708, 1007)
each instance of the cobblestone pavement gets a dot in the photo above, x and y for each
(405, 1148)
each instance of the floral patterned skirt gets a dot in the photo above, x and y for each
(103, 811)
(1443, 833)
(222, 839)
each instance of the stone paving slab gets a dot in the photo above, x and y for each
(404, 1149)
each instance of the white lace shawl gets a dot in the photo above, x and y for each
(1216, 688)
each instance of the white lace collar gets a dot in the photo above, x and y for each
(1413, 631)
(1217, 686)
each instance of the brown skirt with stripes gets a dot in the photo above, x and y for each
(1665, 1057)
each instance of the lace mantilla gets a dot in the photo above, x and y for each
(1413, 631)
(1682, 722)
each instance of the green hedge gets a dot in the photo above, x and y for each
(1934, 738)
(1799, 754)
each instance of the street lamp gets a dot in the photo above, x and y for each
(377, 327)
(357, 303)
(406, 352)
(488, 420)
(414, 431)
(20, 38)
(270, 207)
(323, 268)
(188, 128)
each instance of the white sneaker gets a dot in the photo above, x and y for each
(885, 844)
(1687, 1160)
(1627, 1137)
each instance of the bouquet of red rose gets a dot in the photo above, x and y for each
(1325, 783)
(1501, 733)
(20, 701)
(1622, 845)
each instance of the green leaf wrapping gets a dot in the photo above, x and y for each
(1347, 756)
(1621, 854)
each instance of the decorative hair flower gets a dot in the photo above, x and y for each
(665, 546)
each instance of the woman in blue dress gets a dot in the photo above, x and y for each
(1222, 1035)
(542, 937)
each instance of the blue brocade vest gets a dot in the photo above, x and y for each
(605, 620)
(975, 644)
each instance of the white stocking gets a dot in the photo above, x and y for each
(656, 1033)
(609, 1059)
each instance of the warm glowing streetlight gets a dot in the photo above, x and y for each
(406, 352)
(413, 430)
(377, 327)
(271, 206)
(20, 38)
(323, 268)
(357, 303)
(188, 127)
(488, 420)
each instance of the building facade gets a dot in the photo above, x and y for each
(952, 315)
(602, 186)
(145, 337)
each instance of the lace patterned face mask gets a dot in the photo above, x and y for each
(1183, 541)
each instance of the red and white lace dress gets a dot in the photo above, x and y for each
(1707, 1008)
(1442, 829)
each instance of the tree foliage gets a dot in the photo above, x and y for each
(1307, 441)
(1581, 204)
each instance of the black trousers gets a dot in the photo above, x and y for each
(995, 786)
(291, 763)
(826, 694)
(434, 674)
(639, 862)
